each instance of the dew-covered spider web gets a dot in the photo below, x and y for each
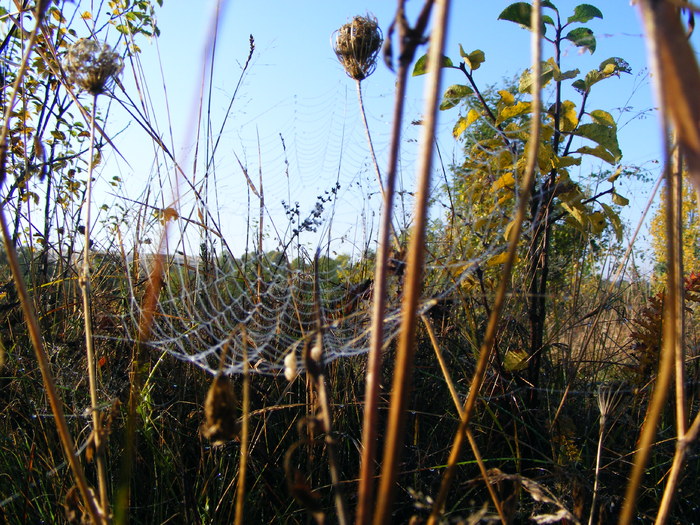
(224, 299)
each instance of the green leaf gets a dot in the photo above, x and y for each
(474, 59)
(580, 86)
(454, 95)
(575, 212)
(614, 219)
(598, 151)
(548, 20)
(559, 76)
(582, 37)
(583, 13)
(604, 118)
(547, 3)
(619, 199)
(520, 13)
(526, 80)
(515, 360)
(565, 162)
(421, 67)
(602, 135)
(621, 65)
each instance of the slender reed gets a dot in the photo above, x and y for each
(677, 76)
(245, 435)
(490, 335)
(409, 43)
(458, 406)
(403, 372)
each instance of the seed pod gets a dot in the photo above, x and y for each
(92, 66)
(357, 44)
(220, 424)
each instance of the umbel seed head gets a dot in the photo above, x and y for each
(92, 66)
(357, 44)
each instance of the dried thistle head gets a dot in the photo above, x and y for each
(221, 424)
(92, 66)
(357, 44)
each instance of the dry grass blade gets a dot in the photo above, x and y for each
(677, 76)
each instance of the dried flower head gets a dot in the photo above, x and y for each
(92, 65)
(221, 424)
(357, 44)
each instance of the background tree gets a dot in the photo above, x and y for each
(569, 213)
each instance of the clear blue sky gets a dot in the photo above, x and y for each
(297, 89)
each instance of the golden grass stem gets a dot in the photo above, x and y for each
(458, 407)
(245, 435)
(403, 371)
(91, 504)
(490, 335)
(85, 287)
(677, 76)
(374, 360)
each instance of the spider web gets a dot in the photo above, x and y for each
(216, 308)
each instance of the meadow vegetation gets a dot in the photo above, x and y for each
(535, 339)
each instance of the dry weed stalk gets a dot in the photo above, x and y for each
(499, 301)
(410, 39)
(405, 352)
(92, 67)
(677, 77)
(92, 506)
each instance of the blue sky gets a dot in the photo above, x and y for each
(296, 90)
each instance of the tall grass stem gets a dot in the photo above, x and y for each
(499, 301)
(403, 370)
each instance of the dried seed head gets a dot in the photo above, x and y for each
(221, 424)
(92, 66)
(356, 44)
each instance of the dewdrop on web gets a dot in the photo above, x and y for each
(317, 352)
(290, 366)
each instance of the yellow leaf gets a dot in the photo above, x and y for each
(569, 117)
(507, 97)
(498, 259)
(513, 111)
(464, 122)
(504, 181)
(515, 360)
(169, 214)
(87, 15)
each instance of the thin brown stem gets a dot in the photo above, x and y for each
(490, 335)
(405, 352)
(374, 360)
(458, 407)
(92, 506)
(85, 287)
(245, 435)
